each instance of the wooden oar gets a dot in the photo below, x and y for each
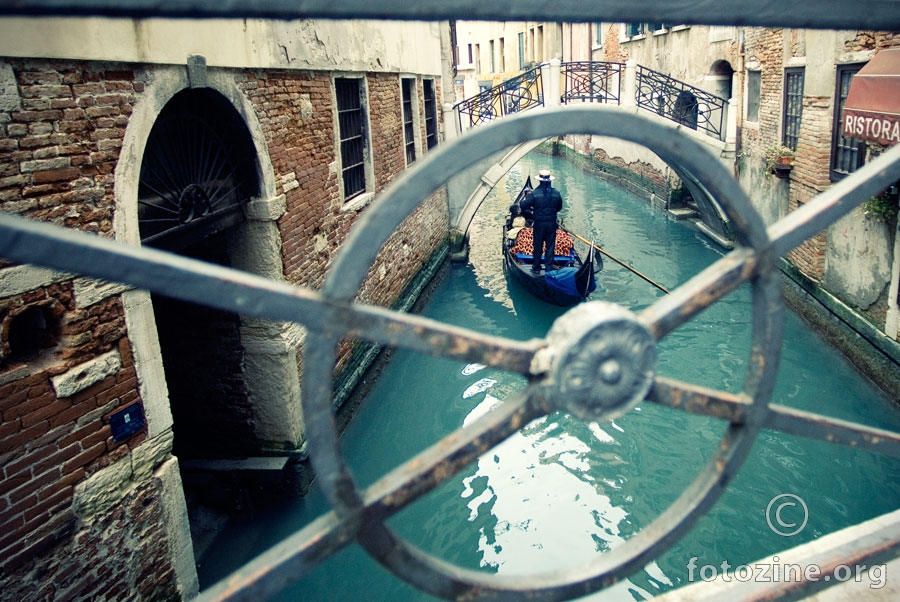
(620, 262)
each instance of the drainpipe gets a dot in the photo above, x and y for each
(893, 312)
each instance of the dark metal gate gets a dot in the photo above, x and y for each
(598, 360)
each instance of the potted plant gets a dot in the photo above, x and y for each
(883, 206)
(779, 160)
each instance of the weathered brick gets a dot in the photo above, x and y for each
(56, 175)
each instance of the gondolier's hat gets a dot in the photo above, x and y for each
(544, 174)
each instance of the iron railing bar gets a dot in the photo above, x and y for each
(436, 464)
(822, 14)
(832, 430)
(698, 293)
(699, 400)
(286, 562)
(68, 250)
(733, 408)
(835, 202)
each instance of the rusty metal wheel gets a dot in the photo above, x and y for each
(597, 362)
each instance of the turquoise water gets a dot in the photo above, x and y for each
(561, 491)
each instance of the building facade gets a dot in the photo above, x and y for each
(259, 155)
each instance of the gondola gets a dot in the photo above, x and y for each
(570, 280)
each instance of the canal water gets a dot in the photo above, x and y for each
(560, 491)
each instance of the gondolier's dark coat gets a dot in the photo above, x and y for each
(544, 202)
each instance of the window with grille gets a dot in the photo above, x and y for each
(598, 34)
(409, 89)
(431, 126)
(352, 123)
(847, 154)
(793, 106)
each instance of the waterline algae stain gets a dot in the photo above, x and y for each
(561, 490)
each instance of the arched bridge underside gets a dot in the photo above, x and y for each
(463, 207)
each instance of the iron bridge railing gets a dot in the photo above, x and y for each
(514, 95)
(612, 349)
(592, 81)
(680, 102)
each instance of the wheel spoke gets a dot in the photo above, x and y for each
(832, 430)
(734, 409)
(438, 463)
(698, 293)
(699, 400)
(233, 290)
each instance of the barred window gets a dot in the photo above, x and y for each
(431, 125)
(847, 154)
(793, 106)
(409, 89)
(352, 123)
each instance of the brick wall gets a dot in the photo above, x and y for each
(58, 153)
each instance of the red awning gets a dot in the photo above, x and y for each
(872, 108)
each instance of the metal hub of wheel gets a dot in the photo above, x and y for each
(601, 361)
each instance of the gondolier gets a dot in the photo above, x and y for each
(566, 279)
(543, 203)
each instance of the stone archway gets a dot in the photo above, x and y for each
(720, 77)
(197, 177)
(265, 374)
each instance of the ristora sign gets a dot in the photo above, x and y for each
(883, 129)
(872, 108)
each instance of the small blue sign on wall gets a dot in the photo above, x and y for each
(127, 422)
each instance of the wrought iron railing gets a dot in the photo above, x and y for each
(592, 81)
(680, 102)
(614, 349)
(517, 94)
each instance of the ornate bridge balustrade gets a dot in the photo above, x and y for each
(680, 102)
(517, 94)
(592, 81)
(604, 82)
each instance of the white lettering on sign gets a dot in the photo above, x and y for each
(872, 128)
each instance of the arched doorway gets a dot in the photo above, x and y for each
(720, 77)
(198, 174)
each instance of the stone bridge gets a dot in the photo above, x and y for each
(467, 190)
